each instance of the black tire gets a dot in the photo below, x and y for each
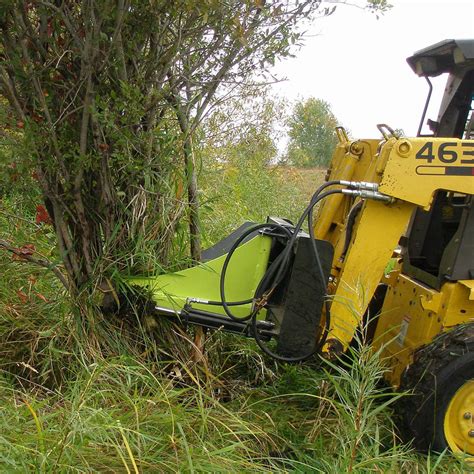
(439, 370)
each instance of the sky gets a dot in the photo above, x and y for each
(358, 63)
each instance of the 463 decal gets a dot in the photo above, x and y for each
(447, 152)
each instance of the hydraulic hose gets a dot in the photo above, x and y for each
(280, 264)
(287, 251)
(307, 213)
(351, 217)
(277, 271)
(236, 244)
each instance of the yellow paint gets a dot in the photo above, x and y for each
(354, 162)
(413, 314)
(405, 176)
(373, 241)
(458, 423)
(469, 284)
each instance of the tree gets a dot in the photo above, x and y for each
(109, 96)
(312, 133)
(240, 180)
(247, 121)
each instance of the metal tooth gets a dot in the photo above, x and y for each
(265, 325)
(467, 416)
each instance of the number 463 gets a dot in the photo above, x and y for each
(445, 154)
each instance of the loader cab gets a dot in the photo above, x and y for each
(440, 244)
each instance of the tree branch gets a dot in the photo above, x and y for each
(42, 262)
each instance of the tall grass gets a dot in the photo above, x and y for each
(122, 415)
(116, 396)
(249, 190)
(118, 416)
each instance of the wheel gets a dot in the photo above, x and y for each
(440, 413)
(458, 425)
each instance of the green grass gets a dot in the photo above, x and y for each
(117, 415)
(123, 415)
(103, 395)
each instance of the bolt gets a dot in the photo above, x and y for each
(356, 151)
(471, 434)
(467, 416)
(404, 148)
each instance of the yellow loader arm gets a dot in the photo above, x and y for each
(366, 233)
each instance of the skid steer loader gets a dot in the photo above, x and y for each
(406, 203)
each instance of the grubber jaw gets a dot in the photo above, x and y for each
(253, 284)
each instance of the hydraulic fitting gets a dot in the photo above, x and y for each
(361, 185)
(364, 194)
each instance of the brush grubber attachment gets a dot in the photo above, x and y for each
(300, 294)
(258, 282)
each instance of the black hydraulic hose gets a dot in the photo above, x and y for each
(287, 251)
(327, 306)
(313, 201)
(285, 255)
(276, 264)
(327, 318)
(280, 262)
(308, 212)
(279, 268)
(351, 217)
(236, 244)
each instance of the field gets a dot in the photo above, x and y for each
(112, 395)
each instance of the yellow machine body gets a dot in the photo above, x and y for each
(403, 269)
(412, 314)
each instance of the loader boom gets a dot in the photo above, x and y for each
(365, 244)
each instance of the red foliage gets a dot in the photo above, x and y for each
(42, 216)
(42, 297)
(27, 249)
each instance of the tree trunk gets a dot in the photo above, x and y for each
(193, 201)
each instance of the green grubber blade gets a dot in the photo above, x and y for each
(246, 268)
